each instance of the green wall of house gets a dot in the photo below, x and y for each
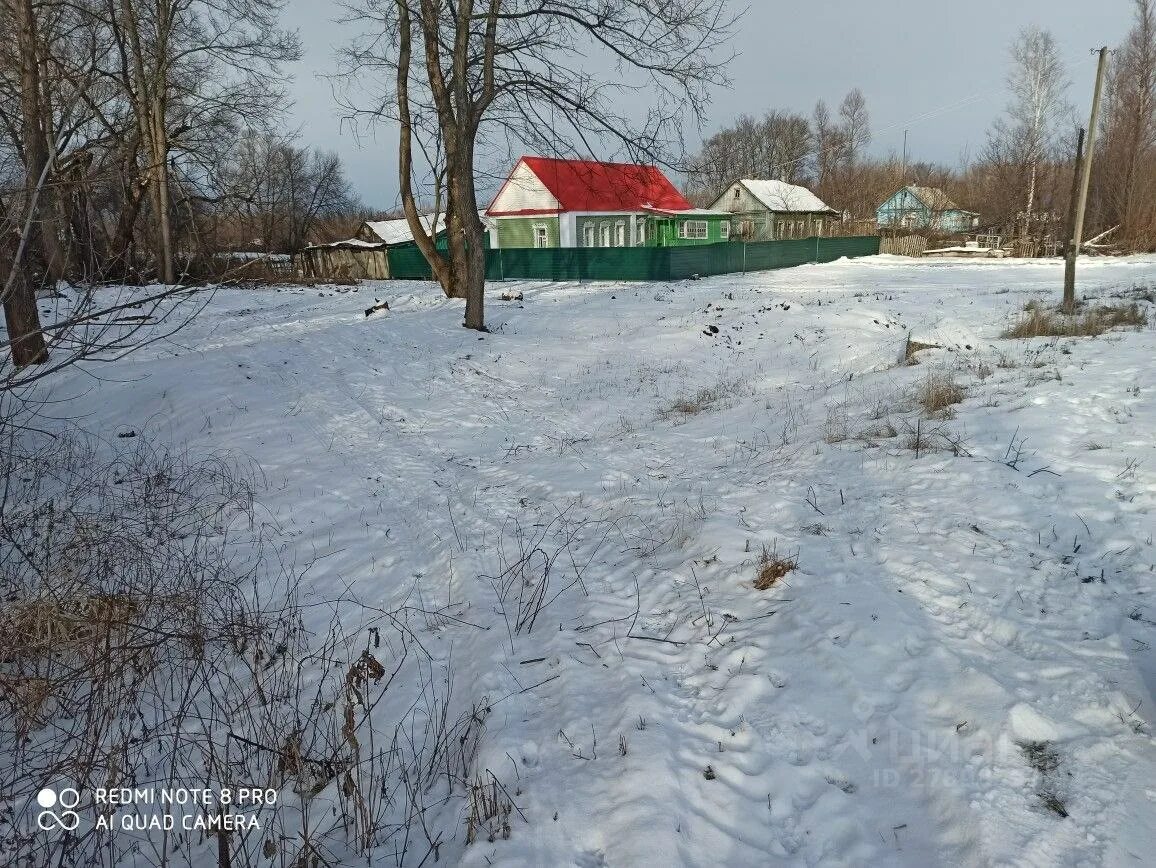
(519, 231)
(666, 231)
(659, 231)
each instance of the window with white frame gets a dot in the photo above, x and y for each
(640, 232)
(604, 234)
(620, 233)
(541, 235)
(692, 229)
(724, 230)
(588, 235)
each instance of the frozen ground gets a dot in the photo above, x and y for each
(949, 608)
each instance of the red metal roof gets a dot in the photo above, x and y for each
(590, 185)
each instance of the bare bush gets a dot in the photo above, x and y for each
(539, 565)
(922, 438)
(148, 638)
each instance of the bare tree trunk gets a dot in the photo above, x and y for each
(20, 313)
(166, 253)
(35, 129)
(425, 243)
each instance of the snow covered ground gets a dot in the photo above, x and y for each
(962, 656)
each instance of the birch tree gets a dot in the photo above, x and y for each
(1025, 137)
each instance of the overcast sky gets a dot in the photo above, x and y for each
(933, 67)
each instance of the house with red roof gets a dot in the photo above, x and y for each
(548, 202)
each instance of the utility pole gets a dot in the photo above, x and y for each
(1077, 238)
(1070, 223)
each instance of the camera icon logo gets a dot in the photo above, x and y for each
(58, 808)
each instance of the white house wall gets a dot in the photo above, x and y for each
(524, 192)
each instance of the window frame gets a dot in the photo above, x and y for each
(685, 234)
(541, 233)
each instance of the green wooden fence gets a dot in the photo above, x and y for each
(644, 263)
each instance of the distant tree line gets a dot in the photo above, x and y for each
(1020, 181)
(135, 134)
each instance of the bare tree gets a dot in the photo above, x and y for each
(184, 62)
(828, 146)
(274, 192)
(852, 138)
(775, 146)
(856, 123)
(541, 74)
(1020, 143)
(1128, 165)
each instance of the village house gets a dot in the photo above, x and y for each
(927, 208)
(365, 256)
(773, 210)
(547, 202)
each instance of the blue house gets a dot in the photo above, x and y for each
(927, 208)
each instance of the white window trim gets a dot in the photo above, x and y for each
(620, 233)
(685, 232)
(724, 230)
(640, 232)
(541, 227)
(589, 235)
(604, 237)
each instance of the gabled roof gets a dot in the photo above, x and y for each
(397, 231)
(935, 199)
(781, 196)
(592, 185)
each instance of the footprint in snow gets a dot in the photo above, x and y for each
(590, 859)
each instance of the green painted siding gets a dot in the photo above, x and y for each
(519, 231)
(666, 233)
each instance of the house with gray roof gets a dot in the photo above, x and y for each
(924, 208)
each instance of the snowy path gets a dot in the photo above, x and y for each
(871, 709)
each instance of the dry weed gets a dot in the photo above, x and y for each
(1040, 322)
(938, 394)
(773, 568)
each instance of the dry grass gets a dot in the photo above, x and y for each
(938, 393)
(1039, 322)
(704, 399)
(837, 428)
(879, 431)
(773, 568)
(923, 438)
